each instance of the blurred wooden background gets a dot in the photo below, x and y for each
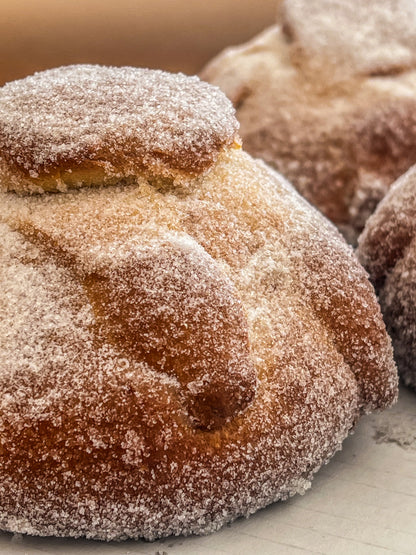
(176, 35)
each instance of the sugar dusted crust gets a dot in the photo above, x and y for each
(387, 248)
(327, 97)
(79, 125)
(173, 360)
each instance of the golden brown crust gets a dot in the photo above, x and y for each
(125, 440)
(327, 97)
(89, 124)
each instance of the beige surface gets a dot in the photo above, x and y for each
(176, 35)
(362, 502)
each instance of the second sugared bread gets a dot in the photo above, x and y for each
(387, 249)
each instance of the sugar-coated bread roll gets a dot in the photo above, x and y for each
(328, 97)
(387, 248)
(181, 344)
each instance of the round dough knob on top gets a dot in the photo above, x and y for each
(88, 125)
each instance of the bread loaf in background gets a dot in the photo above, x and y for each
(327, 96)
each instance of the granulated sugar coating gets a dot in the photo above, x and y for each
(327, 96)
(126, 120)
(387, 248)
(175, 354)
